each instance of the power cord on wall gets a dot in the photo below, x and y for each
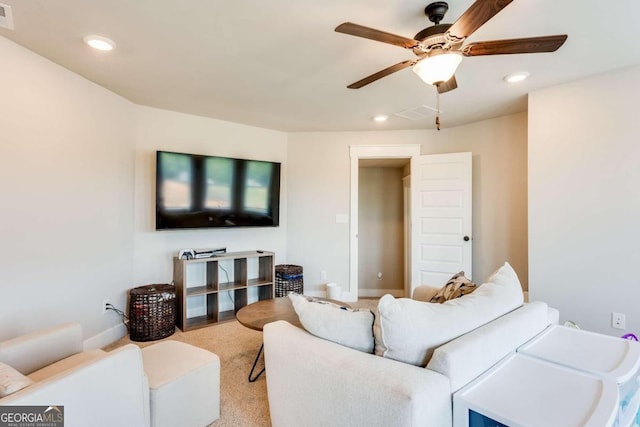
(123, 316)
(227, 274)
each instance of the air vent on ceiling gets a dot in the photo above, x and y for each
(418, 113)
(6, 17)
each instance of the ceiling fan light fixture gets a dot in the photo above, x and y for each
(516, 77)
(438, 67)
(99, 42)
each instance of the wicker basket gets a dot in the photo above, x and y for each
(152, 312)
(288, 279)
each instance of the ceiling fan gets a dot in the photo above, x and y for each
(440, 49)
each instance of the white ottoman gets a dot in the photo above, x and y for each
(184, 384)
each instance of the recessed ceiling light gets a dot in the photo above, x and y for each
(516, 77)
(99, 42)
(380, 118)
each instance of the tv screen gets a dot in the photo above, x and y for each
(196, 191)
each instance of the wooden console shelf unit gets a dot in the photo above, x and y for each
(202, 285)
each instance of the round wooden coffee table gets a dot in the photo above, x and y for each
(255, 316)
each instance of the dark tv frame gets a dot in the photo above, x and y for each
(201, 217)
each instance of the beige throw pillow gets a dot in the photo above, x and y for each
(409, 331)
(11, 380)
(455, 287)
(349, 327)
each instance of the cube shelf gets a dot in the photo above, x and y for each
(212, 290)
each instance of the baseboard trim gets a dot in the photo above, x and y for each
(105, 338)
(364, 293)
(376, 293)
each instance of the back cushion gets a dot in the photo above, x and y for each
(409, 331)
(349, 327)
(460, 360)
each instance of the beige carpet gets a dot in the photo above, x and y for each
(242, 404)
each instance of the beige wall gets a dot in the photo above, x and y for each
(381, 231)
(77, 188)
(66, 218)
(78, 176)
(170, 131)
(584, 202)
(318, 189)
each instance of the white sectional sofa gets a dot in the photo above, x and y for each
(315, 382)
(168, 383)
(95, 387)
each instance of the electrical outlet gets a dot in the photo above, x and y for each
(618, 320)
(323, 275)
(104, 306)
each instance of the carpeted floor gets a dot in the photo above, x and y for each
(242, 404)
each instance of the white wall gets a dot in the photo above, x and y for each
(66, 223)
(77, 179)
(584, 201)
(318, 189)
(171, 131)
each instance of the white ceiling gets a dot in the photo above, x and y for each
(278, 64)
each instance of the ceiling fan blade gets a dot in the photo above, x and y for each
(377, 35)
(474, 17)
(450, 84)
(383, 73)
(526, 45)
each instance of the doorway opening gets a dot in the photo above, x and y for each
(382, 246)
(371, 252)
(438, 219)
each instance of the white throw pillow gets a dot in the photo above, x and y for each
(342, 325)
(11, 380)
(409, 331)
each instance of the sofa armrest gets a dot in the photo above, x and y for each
(553, 316)
(424, 293)
(314, 382)
(33, 351)
(110, 391)
(468, 356)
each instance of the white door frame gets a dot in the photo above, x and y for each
(406, 201)
(357, 152)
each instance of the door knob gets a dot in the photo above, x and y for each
(466, 238)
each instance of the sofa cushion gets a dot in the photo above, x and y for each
(66, 364)
(409, 331)
(11, 380)
(349, 327)
(313, 382)
(424, 292)
(455, 287)
(30, 352)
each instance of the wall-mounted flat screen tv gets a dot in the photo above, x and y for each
(196, 191)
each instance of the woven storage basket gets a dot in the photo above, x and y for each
(152, 312)
(288, 279)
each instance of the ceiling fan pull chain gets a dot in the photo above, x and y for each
(437, 109)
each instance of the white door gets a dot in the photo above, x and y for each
(440, 218)
(406, 199)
